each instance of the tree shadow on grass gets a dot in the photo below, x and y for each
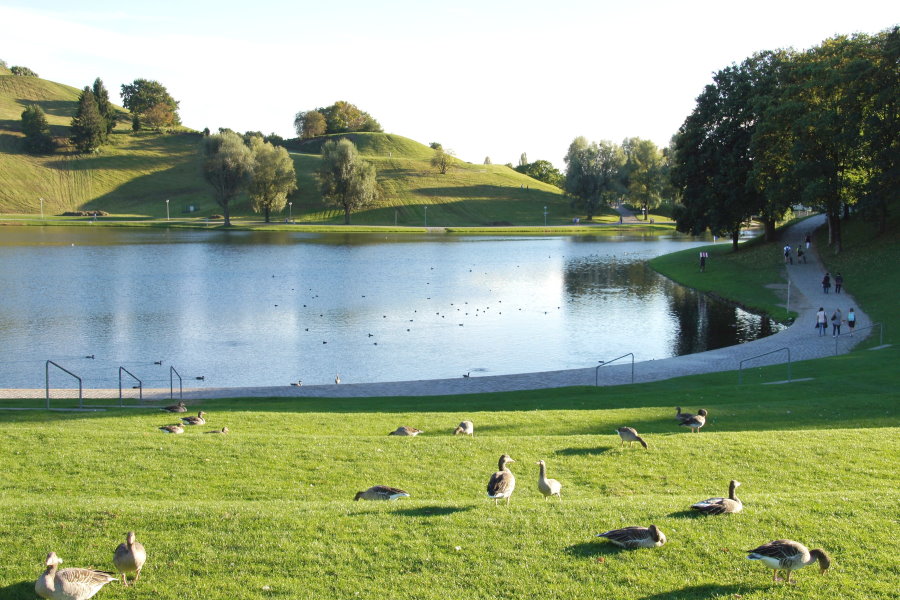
(23, 589)
(709, 590)
(584, 451)
(432, 511)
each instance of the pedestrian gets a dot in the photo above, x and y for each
(836, 319)
(787, 254)
(826, 283)
(703, 257)
(808, 241)
(851, 321)
(800, 254)
(821, 321)
(838, 283)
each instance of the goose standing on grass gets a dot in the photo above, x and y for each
(696, 422)
(69, 584)
(635, 537)
(198, 420)
(682, 416)
(465, 428)
(630, 435)
(721, 506)
(176, 408)
(503, 482)
(130, 557)
(177, 428)
(408, 431)
(548, 487)
(381, 492)
(788, 555)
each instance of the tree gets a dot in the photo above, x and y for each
(142, 96)
(643, 173)
(227, 168)
(36, 130)
(273, 177)
(22, 71)
(436, 146)
(592, 173)
(104, 106)
(345, 179)
(310, 124)
(442, 160)
(88, 129)
(523, 160)
(543, 170)
(487, 160)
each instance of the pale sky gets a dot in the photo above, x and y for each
(484, 78)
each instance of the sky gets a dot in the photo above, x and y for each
(488, 78)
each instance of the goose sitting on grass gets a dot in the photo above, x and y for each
(223, 431)
(130, 557)
(503, 482)
(177, 428)
(198, 420)
(381, 492)
(788, 555)
(548, 487)
(696, 422)
(630, 435)
(69, 584)
(176, 408)
(721, 506)
(635, 537)
(465, 428)
(408, 431)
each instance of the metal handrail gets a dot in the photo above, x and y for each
(741, 365)
(47, 382)
(172, 384)
(850, 333)
(604, 363)
(140, 385)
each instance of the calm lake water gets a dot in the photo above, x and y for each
(270, 308)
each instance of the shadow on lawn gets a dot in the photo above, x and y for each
(593, 549)
(432, 511)
(23, 589)
(709, 590)
(584, 451)
(686, 514)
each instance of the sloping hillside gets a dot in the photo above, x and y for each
(136, 173)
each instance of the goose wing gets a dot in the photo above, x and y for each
(386, 492)
(82, 583)
(717, 506)
(628, 537)
(501, 484)
(787, 553)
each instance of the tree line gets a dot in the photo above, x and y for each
(819, 128)
(340, 117)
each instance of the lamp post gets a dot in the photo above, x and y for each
(545, 216)
(290, 212)
(426, 216)
(42, 209)
(167, 209)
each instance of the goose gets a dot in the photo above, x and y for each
(381, 492)
(410, 431)
(635, 537)
(503, 482)
(465, 428)
(683, 416)
(337, 378)
(696, 422)
(548, 487)
(176, 408)
(223, 431)
(721, 506)
(130, 557)
(198, 420)
(788, 555)
(177, 428)
(630, 435)
(69, 584)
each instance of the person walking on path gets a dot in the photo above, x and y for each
(800, 254)
(838, 283)
(851, 321)
(787, 254)
(826, 283)
(808, 241)
(821, 322)
(836, 319)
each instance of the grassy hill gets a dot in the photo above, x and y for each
(136, 173)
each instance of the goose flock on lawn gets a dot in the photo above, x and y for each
(200, 419)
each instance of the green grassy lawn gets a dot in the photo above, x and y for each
(267, 510)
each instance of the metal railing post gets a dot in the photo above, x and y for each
(140, 386)
(47, 382)
(604, 363)
(741, 364)
(172, 384)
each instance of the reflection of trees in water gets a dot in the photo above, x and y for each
(701, 323)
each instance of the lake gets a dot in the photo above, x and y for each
(244, 308)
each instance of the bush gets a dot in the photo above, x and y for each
(22, 71)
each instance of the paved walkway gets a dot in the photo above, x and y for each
(801, 338)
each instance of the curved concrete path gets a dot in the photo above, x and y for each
(801, 338)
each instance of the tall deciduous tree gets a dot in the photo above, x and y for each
(442, 160)
(593, 173)
(345, 179)
(88, 129)
(143, 95)
(36, 130)
(310, 124)
(227, 168)
(273, 177)
(643, 173)
(543, 170)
